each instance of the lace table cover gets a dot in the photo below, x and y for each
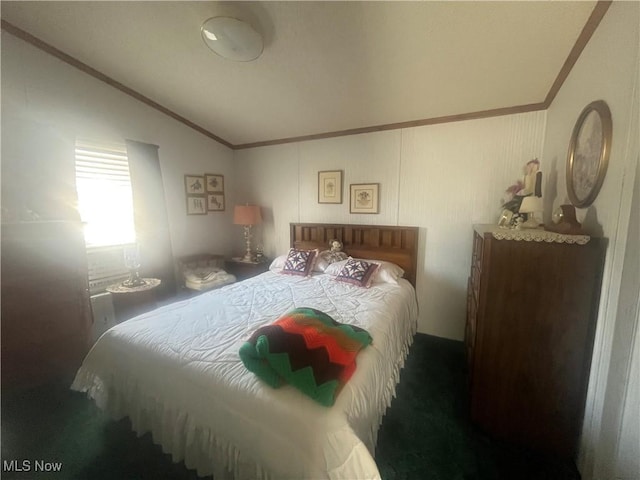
(537, 235)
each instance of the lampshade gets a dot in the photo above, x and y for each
(531, 204)
(232, 39)
(247, 215)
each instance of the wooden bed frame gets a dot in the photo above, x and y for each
(390, 243)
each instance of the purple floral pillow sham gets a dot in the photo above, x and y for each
(300, 262)
(358, 272)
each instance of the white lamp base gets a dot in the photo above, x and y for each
(531, 223)
(248, 257)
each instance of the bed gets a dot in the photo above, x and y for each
(176, 371)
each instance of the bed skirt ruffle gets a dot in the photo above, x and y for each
(182, 437)
(173, 429)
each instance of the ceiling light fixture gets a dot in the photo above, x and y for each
(232, 39)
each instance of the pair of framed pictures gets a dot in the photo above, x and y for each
(364, 197)
(205, 193)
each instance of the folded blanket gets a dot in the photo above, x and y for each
(307, 349)
(203, 274)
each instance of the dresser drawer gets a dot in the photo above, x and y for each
(474, 286)
(470, 327)
(470, 330)
(478, 248)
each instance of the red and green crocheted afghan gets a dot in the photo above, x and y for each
(307, 349)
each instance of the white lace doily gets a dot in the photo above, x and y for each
(535, 235)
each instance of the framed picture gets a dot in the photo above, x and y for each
(588, 155)
(196, 205)
(215, 202)
(194, 184)
(330, 186)
(214, 183)
(364, 198)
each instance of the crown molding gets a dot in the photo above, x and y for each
(585, 35)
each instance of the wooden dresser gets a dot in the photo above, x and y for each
(531, 314)
(46, 314)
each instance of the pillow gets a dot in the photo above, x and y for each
(321, 263)
(326, 258)
(387, 272)
(278, 263)
(334, 268)
(358, 272)
(299, 262)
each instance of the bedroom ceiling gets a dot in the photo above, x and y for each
(326, 66)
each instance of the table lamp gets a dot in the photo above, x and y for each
(132, 262)
(248, 216)
(531, 205)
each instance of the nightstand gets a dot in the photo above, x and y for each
(131, 301)
(244, 270)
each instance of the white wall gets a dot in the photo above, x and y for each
(608, 70)
(269, 179)
(47, 103)
(441, 178)
(627, 461)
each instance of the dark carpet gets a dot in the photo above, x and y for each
(426, 434)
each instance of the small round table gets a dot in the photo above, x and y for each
(131, 301)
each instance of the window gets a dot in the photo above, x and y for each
(105, 204)
(104, 194)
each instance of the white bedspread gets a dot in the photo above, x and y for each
(176, 372)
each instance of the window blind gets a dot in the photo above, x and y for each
(105, 205)
(104, 193)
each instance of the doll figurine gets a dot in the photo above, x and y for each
(531, 184)
(530, 177)
(335, 245)
(335, 253)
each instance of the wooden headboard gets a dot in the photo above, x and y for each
(392, 244)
